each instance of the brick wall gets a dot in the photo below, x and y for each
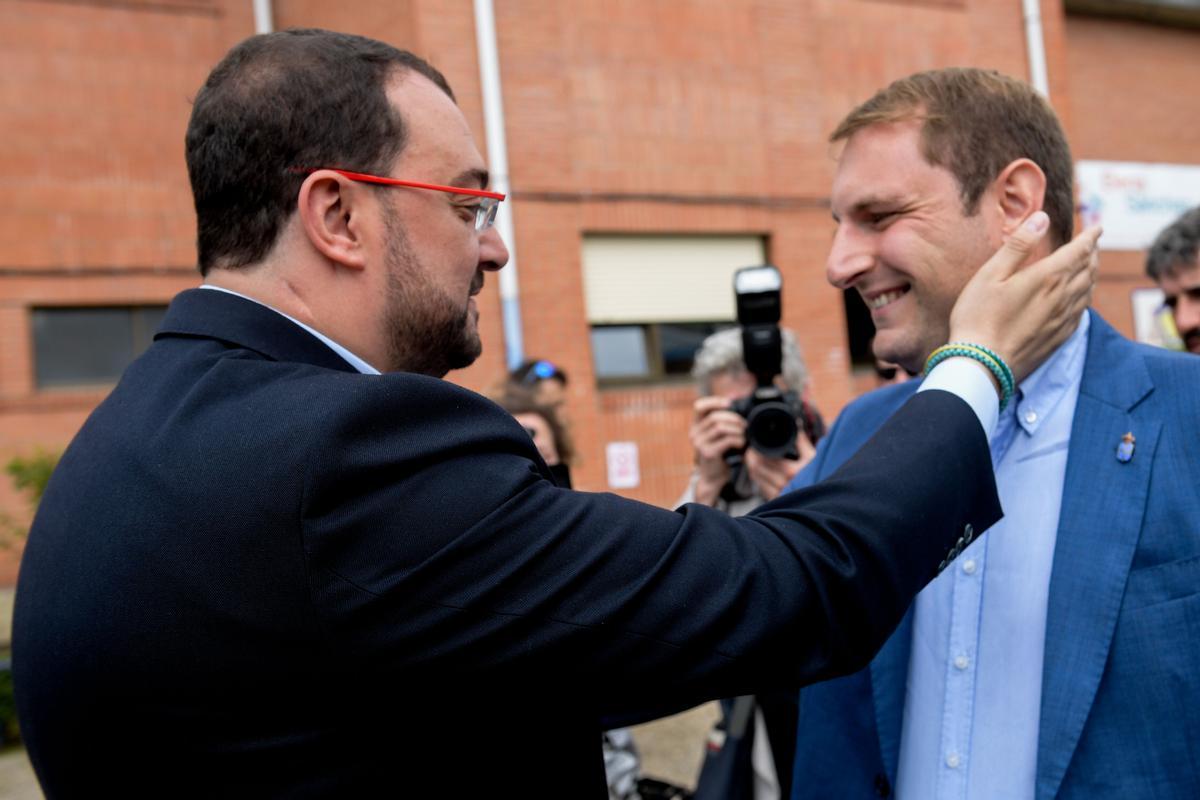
(1132, 91)
(653, 105)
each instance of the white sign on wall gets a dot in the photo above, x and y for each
(623, 472)
(1152, 322)
(1134, 201)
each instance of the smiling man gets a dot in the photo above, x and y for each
(1174, 263)
(1037, 666)
(284, 558)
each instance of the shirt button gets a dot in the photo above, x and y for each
(952, 760)
(1031, 417)
(961, 662)
(969, 566)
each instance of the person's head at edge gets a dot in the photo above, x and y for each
(1173, 261)
(387, 272)
(542, 422)
(545, 378)
(936, 170)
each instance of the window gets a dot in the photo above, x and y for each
(860, 330)
(652, 299)
(89, 346)
(648, 352)
(1181, 13)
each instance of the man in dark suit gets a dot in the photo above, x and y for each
(1059, 656)
(263, 568)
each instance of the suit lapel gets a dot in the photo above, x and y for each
(1104, 501)
(889, 671)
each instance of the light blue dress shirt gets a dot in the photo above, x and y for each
(351, 359)
(973, 697)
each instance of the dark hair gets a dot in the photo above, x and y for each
(1177, 245)
(517, 401)
(975, 122)
(276, 104)
(533, 372)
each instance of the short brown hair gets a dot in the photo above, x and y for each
(975, 122)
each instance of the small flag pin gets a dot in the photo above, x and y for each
(1125, 448)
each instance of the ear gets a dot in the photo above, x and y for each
(1018, 191)
(332, 211)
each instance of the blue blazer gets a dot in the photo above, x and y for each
(259, 573)
(1121, 685)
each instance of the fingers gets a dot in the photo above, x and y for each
(1081, 284)
(706, 405)
(1074, 268)
(771, 475)
(720, 424)
(1018, 246)
(1077, 256)
(717, 432)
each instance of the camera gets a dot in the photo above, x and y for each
(770, 412)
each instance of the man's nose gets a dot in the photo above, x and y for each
(493, 254)
(851, 256)
(1187, 313)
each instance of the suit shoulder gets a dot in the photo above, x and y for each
(1169, 362)
(877, 405)
(1175, 375)
(403, 399)
(856, 423)
(1177, 382)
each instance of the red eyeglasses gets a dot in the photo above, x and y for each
(485, 210)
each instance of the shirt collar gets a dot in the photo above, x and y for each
(351, 359)
(1046, 386)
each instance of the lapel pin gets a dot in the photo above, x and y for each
(1125, 448)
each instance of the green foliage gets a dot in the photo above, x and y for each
(9, 732)
(29, 474)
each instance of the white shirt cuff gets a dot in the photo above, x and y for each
(971, 381)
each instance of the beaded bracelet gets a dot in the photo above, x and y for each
(989, 358)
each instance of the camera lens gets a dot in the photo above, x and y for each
(771, 428)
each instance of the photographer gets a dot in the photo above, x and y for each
(745, 765)
(717, 429)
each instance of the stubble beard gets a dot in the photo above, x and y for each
(427, 332)
(910, 345)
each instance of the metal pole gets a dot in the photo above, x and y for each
(497, 153)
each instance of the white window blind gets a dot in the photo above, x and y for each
(650, 278)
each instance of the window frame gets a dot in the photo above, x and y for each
(142, 327)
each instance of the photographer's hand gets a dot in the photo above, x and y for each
(715, 431)
(771, 475)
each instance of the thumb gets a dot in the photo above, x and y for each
(1017, 247)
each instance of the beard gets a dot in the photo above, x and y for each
(427, 331)
(1191, 340)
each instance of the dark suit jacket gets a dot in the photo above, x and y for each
(257, 572)
(1121, 677)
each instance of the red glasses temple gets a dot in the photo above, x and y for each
(365, 178)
